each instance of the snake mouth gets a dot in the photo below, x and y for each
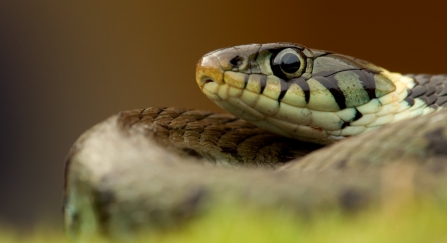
(208, 70)
(206, 80)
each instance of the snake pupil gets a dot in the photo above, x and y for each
(290, 63)
(287, 64)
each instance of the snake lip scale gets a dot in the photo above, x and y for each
(143, 169)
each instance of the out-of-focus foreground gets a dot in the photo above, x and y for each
(405, 222)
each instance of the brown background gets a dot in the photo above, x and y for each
(66, 65)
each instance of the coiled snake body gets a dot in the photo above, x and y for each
(142, 169)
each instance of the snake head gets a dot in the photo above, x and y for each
(296, 91)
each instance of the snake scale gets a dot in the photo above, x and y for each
(149, 168)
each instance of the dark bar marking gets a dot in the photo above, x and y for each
(331, 84)
(345, 124)
(358, 115)
(303, 85)
(246, 80)
(284, 87)
(369, 83)
(263, 83)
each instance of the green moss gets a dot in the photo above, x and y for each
(416, 222)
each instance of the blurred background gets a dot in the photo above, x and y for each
(66, 65)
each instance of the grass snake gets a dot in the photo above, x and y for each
(157, 167)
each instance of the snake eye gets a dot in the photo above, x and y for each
(288, 64)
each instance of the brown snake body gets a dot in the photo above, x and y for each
(143, 169)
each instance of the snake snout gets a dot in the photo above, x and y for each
(208, 70)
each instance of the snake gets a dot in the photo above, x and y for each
(309, 130)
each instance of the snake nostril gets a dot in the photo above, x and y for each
(236, 61)
(208, 81)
